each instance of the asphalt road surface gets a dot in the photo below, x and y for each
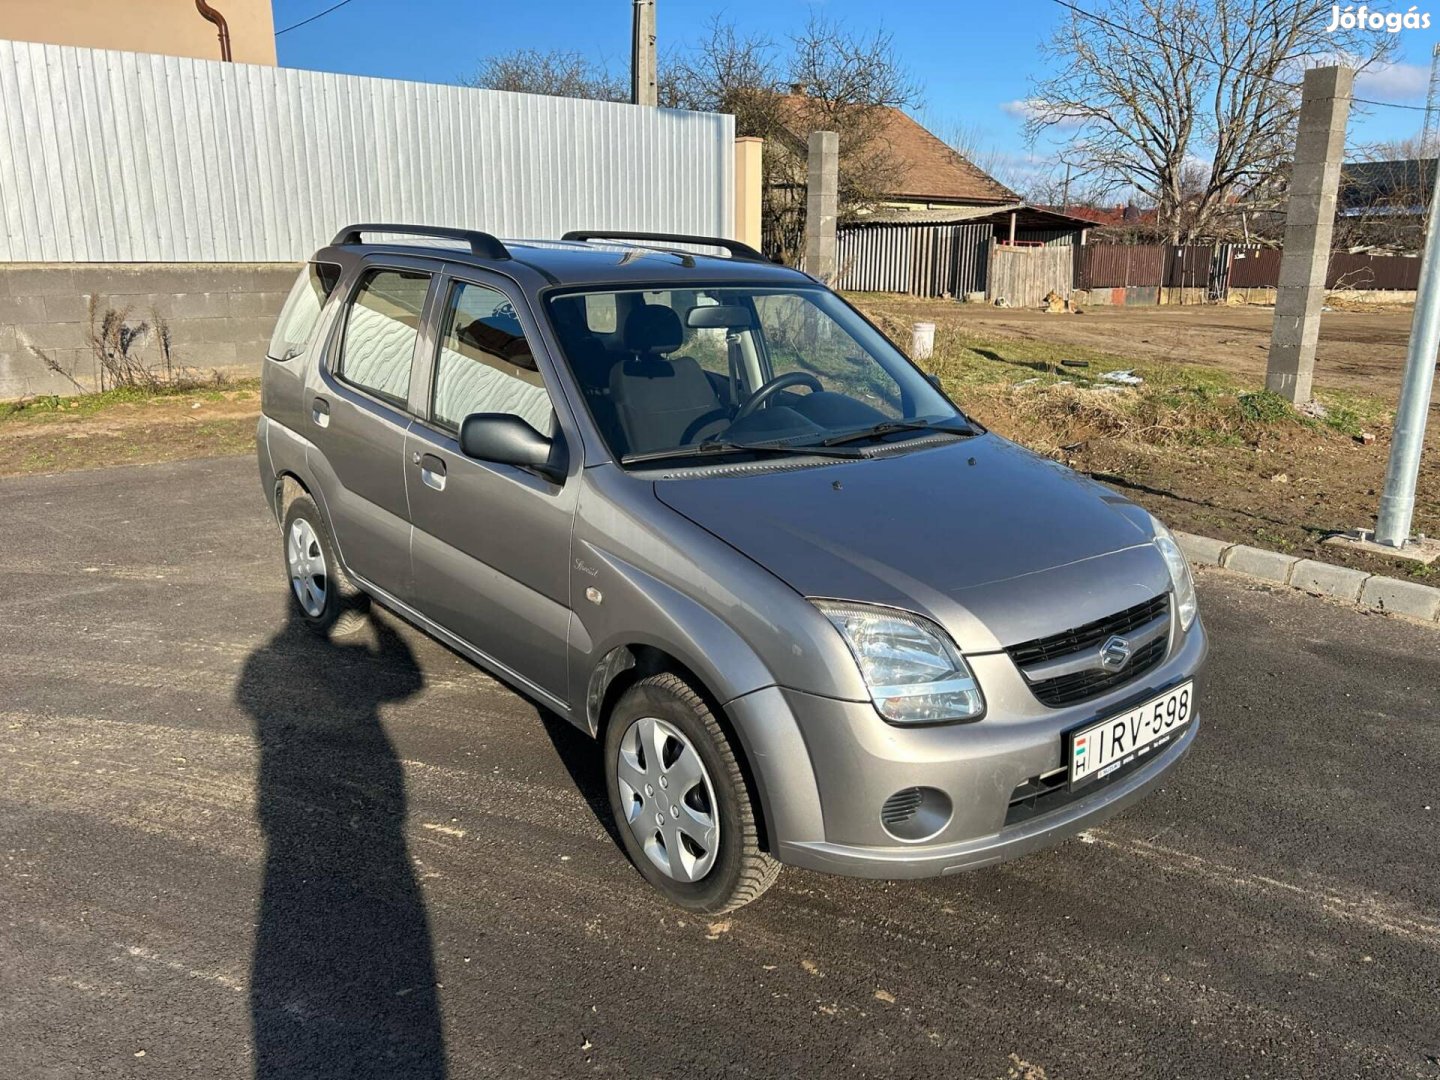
(230, 850)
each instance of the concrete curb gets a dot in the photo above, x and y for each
(1374, 592)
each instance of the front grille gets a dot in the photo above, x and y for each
(1083, 685)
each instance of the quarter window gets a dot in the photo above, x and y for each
(301, 313)
(485, 364)
(380, 331)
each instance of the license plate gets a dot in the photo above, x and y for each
(1103, 747)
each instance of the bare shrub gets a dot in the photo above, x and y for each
(130, 353)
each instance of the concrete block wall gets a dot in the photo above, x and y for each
(220, 316)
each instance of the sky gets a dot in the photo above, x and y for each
(974, 60)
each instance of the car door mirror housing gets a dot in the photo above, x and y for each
(509, 440)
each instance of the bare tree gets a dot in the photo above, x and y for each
(556, 73)
(1192, 103)
(1385, 188)
(825, 78)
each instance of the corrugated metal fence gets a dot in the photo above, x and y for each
(1348, 271)
(922, 260)
(1220, 267)
(127, 157)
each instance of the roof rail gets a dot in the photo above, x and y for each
(736, 249)
(481, 243)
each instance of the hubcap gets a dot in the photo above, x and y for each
(306, 560)
(667, 799)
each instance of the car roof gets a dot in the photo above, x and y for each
(584, 263)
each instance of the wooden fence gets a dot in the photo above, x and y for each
(1024, 276)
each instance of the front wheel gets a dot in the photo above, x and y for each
(681, 803)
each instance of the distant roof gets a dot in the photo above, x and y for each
(1371, 183)
(930, 169)
(1027, 217)
(1107, 215)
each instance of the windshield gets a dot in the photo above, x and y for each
(713, 369)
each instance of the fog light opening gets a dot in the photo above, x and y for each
(916, 813)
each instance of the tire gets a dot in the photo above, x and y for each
(322, 596)
(664, 711)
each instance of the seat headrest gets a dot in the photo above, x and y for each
(652, 328)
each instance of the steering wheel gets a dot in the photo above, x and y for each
(773, 387)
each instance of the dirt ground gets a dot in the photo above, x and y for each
(1360, 351)
(73, 434)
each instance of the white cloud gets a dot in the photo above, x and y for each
(1034, 109)
(1391, 81)
(1021, 108)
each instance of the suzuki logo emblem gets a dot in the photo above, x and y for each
(1115, 654)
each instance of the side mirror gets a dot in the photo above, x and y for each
(508, 440)
(934, 380)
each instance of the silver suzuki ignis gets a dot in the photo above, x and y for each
(697, 505)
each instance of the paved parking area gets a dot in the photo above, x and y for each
(230, 850)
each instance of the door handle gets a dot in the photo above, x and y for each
(320, 412)
(432, 471)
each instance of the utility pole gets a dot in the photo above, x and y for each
(1397, 504)
(1430, 134)
(644, 82)
(1309, 226)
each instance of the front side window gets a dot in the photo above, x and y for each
(301, 313)
(485, 364)
(714, 369)
(381, 326)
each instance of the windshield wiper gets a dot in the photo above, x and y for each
(889, 427)
(729, 446)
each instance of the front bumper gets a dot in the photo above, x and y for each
(826, 767)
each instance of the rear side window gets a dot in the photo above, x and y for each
(381, 326)
(485, 363)
(301, 313)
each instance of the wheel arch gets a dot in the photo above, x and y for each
(625, 665)
(288, 488)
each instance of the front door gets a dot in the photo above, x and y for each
(491, 544)
(356, 404)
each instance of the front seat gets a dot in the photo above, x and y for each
(662, 401)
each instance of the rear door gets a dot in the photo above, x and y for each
(358, 419)
(491, 546)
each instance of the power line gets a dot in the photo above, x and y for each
(1218, 63)
(312, 18)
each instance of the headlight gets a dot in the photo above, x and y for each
(1179, 573)
(914, 673)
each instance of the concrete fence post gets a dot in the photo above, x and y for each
(822, 204)
(1309, 223)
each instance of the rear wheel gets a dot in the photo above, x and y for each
(321, 595)
(681, 803)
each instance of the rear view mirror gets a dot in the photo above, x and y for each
(720, 317)
(508, 440)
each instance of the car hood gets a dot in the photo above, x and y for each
(993, 542)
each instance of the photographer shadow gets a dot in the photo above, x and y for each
(343, 978)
